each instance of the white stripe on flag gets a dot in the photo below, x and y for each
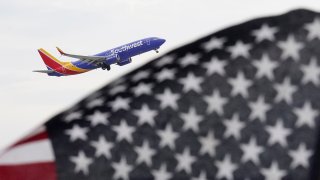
(32, 152)
(35, 132)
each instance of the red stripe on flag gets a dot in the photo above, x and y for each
(35, 171)
(29, 159)
(36, 137)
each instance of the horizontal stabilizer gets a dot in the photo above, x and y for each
(44, 71)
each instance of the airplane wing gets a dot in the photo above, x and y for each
(88, 59)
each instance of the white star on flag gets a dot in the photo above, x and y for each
(124, 131)
(117, 89)
(77, 132)
(73, 116)
(265, 33)
(311, 72)
(168, 99)
(165, 60)
(189, 59)
(162, 173)
(120, 103)
(259, 109)
(273, 172)
(233, 127)
(313, 29)
(142, 88)
(278, 134)
(251, 151)
(141, 75)
(225, 168)
(290, 48)
(215, 66)
(102, 147)
(145, 153)
(215, 102)
(81, 162)
(185, 161)
(306, 115)
(239, 49)
(285, 91)
(191, 82)
(165, 74)
(265, 67)
(300, 156)
(167, 137)
(122, 169)
(202, 176)
(95, 103)
(98, 118)
(214, 43)
(145, 115)
(191, 120)
(240, 85)
(208, 144)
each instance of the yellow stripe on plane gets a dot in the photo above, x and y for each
(52, 57)
(67, 65)
(72, 67)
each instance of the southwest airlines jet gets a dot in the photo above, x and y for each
(120, 56)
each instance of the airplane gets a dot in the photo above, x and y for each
(121, 56)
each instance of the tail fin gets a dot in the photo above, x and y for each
(49, 60)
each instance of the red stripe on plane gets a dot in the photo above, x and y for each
(55, 65)
(34, 171)
(65, 71)
(48, 61)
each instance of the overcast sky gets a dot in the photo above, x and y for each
(90, 26)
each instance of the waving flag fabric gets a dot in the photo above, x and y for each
(242, 103)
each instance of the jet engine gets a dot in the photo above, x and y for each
(124, 62)
(112, 59)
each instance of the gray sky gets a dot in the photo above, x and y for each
(90, 26)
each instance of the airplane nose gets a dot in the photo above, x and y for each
(161, 41)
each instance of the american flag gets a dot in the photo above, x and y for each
(242, 103)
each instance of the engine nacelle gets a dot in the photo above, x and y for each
(124, 62)
(112, 59)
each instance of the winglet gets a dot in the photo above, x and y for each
(60, 51)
